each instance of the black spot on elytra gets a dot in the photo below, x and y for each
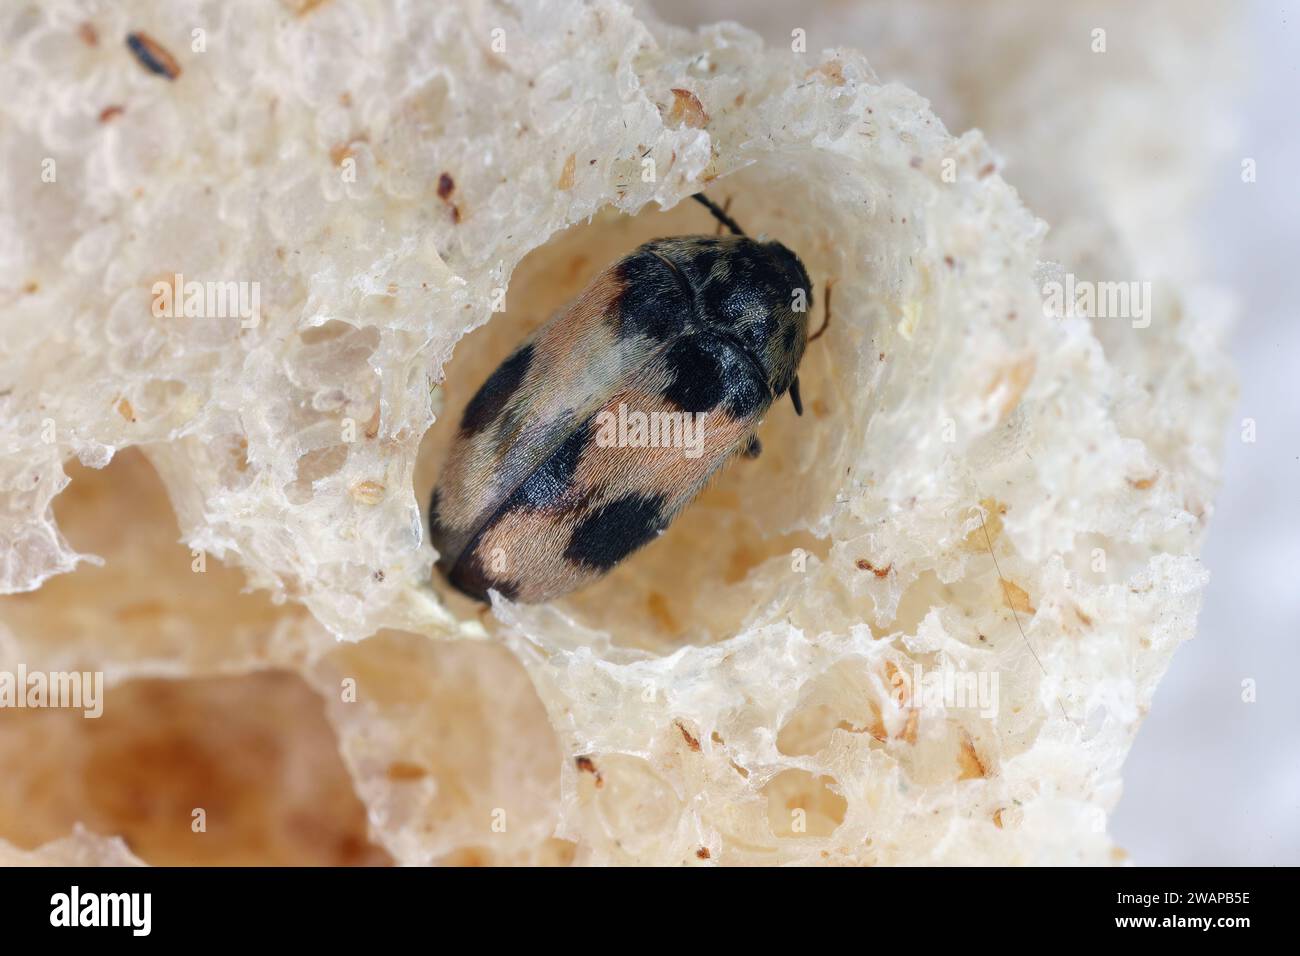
(551, 480)
(607, 536)
(655, 301)
(697, 384)
(709, 371)
(472, 578)
(496, 392)
(746, 394)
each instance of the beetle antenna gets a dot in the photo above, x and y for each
(719, 213)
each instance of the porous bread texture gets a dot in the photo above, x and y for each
(978, 485)
(80, 848)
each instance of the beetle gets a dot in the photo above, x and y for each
(535, 500)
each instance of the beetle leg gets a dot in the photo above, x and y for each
(826, 313)
(794, 396)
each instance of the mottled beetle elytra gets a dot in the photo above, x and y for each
(545, 487)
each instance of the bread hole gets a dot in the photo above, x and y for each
(703, 579)
(801, 805)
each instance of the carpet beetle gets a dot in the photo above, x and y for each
(551, 479)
